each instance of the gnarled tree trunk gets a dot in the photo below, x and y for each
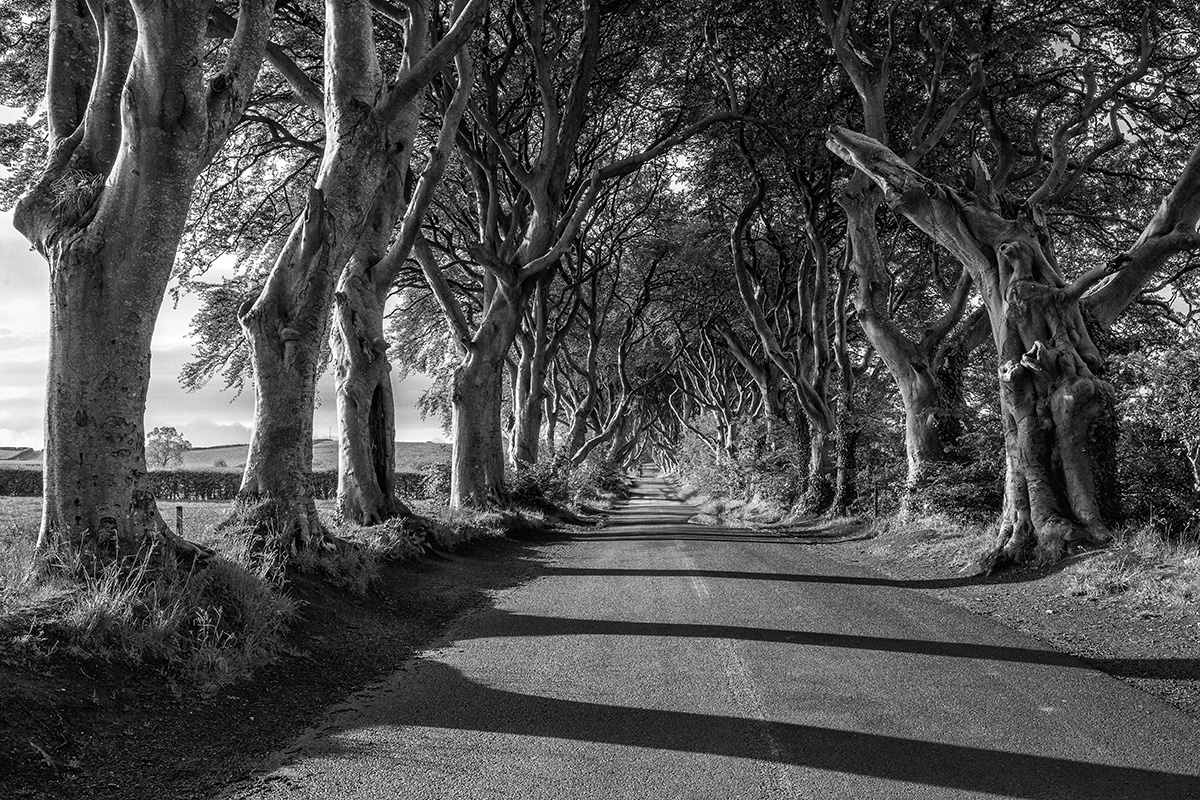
(1049, 390)
(370, 127)
(132, 119)
(366, 414)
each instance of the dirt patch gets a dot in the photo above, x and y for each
(1155, 647)
(81, 728)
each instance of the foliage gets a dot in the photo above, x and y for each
(1160, 443)
(215, 484)
(165, 446)
(435, 483)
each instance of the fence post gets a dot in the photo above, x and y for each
(876, 499)
(179, 520)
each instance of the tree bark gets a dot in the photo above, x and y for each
(913, 365)
(366, 412)
(477, 456)
(132, 119)
(351, 212)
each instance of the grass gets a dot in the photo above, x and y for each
(932, 537)
(215, 624)
(1144, 567)
(206, 627)
(721, 510)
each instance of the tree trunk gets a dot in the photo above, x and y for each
(284, 328)
(131, 120)
(845, 491)
(477, 455)
(1050, 400)
(908, 362)
(1192, 451)
(105, 293)
(366, 411)
(287, 324)
(820, 486)
(920, 395)
(529, 403)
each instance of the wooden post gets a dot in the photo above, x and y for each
(179, 520)
(876, 499)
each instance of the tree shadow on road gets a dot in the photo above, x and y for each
(434, 695)
(787, 577)
(503, 623)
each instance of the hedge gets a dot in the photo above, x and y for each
(189, 484)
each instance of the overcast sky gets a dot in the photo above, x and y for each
(207, 417)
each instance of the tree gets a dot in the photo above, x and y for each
(351, 211)
(913, 360)
(1050, 393)
(166, 446)
(1169, 396)
(138, 101)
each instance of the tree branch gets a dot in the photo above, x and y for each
(421, 74)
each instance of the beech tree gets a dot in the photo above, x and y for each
(615, 351)
(912, 359)
(137, 104)
(1050, 393)
(352, 208)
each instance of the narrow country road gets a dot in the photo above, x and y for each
(658, 659)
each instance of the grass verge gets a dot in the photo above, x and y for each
(214, 625)
(1144, 567)
(936, 538)
(206, 627)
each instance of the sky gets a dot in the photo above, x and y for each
(206, 418)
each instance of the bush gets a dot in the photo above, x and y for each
(436, 483)
(544, 481)
(972, 491)
(20, 482)
(596, 478)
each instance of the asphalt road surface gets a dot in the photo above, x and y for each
(658, 659)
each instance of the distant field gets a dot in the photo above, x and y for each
(410, 456)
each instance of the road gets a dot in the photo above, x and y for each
(657, 659)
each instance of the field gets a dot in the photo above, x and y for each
(19, 518)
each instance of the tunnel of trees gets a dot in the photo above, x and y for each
(786, 250)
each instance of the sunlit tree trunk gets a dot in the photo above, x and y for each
(370, 126)
(132, 119)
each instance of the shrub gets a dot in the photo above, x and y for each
(436, 479)
(194, 484)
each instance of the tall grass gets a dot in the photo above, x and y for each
(206, 625)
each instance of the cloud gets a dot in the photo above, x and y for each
(207, 417)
